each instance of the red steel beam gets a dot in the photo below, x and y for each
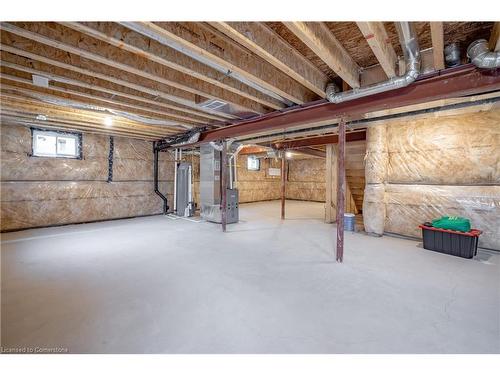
(449, 83)
(320, 141)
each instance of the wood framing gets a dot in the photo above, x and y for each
(262, 41)
(130, 41)
(324, 44)
(376, 37)
(66, 74)
(125, 80)
(437, 44)
(26, 86)
(495, 37)
(198, 40)
(175, 83)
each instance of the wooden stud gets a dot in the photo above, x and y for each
(376, 36)
(323, 43)
(437, 37)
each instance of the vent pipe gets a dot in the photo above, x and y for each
(411, 50)
(480, 55)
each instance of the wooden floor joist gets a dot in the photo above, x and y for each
(133, 42)
(32, 108)
(376, 37)
(92, 84)
(113, 59)
(223, 52)
(324, 44)
(26, 87)
(437, 37)
(262, 41)
(181, 105)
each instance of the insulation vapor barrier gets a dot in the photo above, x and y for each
(422, 169)
(44, 191)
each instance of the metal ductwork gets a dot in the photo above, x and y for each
(452, 55)
(411, 50)
(480, 55)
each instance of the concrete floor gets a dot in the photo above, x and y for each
(156, 285)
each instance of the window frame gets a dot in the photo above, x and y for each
(253, 157)
(76, 135)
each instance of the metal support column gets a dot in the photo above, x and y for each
(283, 186)
(223, 169)
(340, 191)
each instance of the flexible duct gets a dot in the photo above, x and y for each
(411, 50)
(480, 55)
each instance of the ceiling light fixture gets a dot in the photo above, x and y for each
(288, 154)
(108, 121)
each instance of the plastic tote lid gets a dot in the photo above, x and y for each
(349, 215)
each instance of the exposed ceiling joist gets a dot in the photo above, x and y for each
(197, 41)
(177, 84)
(82, 98)
(376, 37)
(323, 43)
(30, 110)
(130, 41)
(61, 125)
(262, 41)
(55, 61)
(37, 106)
(495, 37)
(437, 37)
(125, 97)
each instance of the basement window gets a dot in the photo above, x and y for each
(253, 164)
(56, 144)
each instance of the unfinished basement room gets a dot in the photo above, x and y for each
(250, 187)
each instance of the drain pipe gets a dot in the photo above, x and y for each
(480, 55)
(411, 50)
(155, 178)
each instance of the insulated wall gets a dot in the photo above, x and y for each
(306, 179)
(421, 169)
(254, 186)
(43, 191)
